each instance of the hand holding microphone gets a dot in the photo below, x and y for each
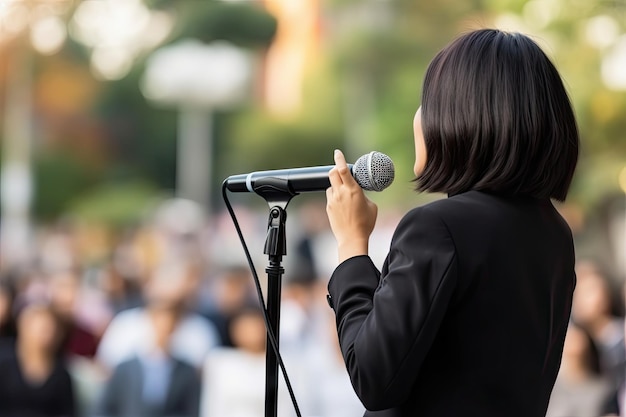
(351, 214)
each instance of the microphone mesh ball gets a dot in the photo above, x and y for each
(374, 171)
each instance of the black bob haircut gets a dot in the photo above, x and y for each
(496, 118)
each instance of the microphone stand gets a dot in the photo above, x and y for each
(277, 194)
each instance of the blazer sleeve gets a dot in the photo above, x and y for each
(387, 322)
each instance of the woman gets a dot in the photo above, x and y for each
(469, 313)
(154, 382)
(594, 308)
(33, 380)
(580, 389)
(233, 377)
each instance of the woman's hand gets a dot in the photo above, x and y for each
(352, 216)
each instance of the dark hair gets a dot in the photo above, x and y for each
(496, 117)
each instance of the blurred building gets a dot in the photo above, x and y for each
(294, 49)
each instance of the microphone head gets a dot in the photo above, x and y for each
(374, 171)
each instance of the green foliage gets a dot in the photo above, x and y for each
(245, 24)
(143, 138)
(116, 204)
(597, 178)
(271, 144)
(59, 177)
(257, 140)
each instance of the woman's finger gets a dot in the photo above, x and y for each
(342, 168)
(335, 178)
(329, 194)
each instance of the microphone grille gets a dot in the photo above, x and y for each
(374, 171)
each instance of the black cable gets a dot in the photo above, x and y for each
(257, 284)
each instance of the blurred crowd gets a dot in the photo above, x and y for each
(593, 367)
(168, 324)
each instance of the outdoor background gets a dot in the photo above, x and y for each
(119, 120)
(95, 149)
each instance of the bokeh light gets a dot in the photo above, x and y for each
(118, 31)
(192, 73)
(48, 35)
(614, 66)
(15, 17)
(601, 31)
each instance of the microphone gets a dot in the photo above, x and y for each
(373, 172)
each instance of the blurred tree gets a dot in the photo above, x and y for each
(245, 23)
(59, 178)
(133, 141)
(118, 205)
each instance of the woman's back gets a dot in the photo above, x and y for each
(499, 344)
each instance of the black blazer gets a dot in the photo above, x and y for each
(469, 314)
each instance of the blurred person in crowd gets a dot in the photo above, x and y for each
(122, 290)
(303, 311)
(316, 243)
(65, 292)
(8, 329)
(173, 282)
(234, 378)
(34, 381)
(228, 292)
(580, 389)
(595, 309)
(154, 383)
(330, 391)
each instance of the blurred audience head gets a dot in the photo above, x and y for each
(302, 287)
(593, 298)
(39, 328)
(164, 319)
(580, 351)
(233, 289)
(172, 283)
(65, 291)
(247, 330)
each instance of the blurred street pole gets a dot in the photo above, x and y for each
(16, 182)
(196, 79)
(194, 155)
(20, 22)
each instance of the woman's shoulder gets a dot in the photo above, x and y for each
(466, 203)
(477, 212)
(484, 204)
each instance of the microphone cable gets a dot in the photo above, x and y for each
(257, 284)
